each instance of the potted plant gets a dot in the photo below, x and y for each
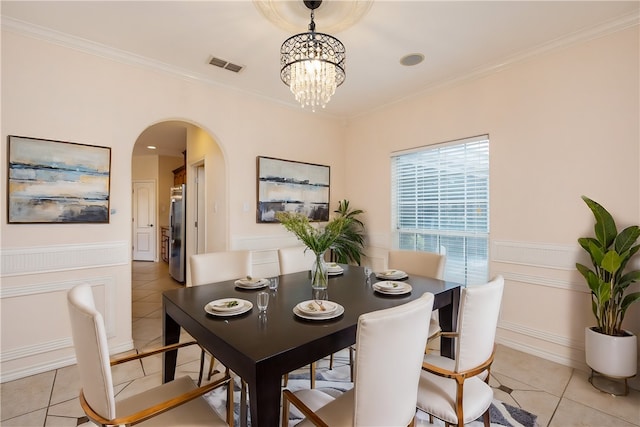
(317, 239)
(610, 350)
(349, 246)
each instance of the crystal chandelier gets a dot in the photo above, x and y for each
(313, 64)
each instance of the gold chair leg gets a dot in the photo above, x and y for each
(230, 417)
(312, 380)
(211, 363)
(285, 410)
(285, 380)
(201, 368)
(331, 361)
(351, 367)
(244, 417)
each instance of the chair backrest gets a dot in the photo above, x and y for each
(219, 266)
(294, 259)
(389, 352)
(477, 322)
(92, 351)
(428, 264)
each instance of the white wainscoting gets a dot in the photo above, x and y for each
(25, 276)
(48, 259)
(548, 259)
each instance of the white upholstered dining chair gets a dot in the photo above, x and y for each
(380, 396)
(428, 264)
(178, 402)
(220, 266)
(294, 259)
(211, 267)
(457, 391)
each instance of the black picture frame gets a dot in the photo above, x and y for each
(292, 186)
(57, 182)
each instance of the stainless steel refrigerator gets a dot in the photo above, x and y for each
(177, 249)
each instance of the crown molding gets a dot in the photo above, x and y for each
(609, 27)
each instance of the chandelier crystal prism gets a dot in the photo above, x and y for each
(313, 64)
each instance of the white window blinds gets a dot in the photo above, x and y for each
(440, 203)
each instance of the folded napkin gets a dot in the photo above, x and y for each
(227, 305)
(333, 267)
(391, 286)
(250, 281)
(391, 274)
(317, 307)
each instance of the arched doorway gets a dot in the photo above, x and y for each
(184, 153)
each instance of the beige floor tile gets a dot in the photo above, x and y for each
(624, 407)
(139, 385)
(156, 314)
(142, 309)
(32, 419)
(56, 421)
(127, 372)
(14, 394)
(542, 374)
(524, 396)
(141, 294)
(151, 296)
(540, 403)
(146, 330)
(67, 384)
(69, 408)
(570, 413)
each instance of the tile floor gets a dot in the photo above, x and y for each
(559, 395)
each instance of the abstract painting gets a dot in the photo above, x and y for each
(57, 182)
(286, 185)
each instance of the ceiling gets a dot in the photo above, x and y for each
(459, 39)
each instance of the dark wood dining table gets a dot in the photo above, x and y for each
(261, 347)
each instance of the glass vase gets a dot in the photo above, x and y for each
(319, 272)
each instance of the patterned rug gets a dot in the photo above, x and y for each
(336, 381)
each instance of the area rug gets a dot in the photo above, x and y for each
(336, 381)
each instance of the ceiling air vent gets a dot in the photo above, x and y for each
(225, 64)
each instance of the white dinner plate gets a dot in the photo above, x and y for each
(334, 269)
(392, 275)
(252, 283)
(392, 288)
(224, 307)
(336, 313)
(315, 307)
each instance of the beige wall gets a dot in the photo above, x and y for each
(561, 125)
(85, 98)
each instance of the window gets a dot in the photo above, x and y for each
(440, 203)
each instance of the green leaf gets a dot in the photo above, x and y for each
(611, 262)
(627, 237)
(605, 227)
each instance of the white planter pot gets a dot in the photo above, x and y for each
(615, 357)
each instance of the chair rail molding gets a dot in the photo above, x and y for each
(546, 281)
(48, 259)
(560, 257)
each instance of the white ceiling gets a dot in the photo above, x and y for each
(459, 39)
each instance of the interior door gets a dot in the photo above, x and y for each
(145, 232)
(201, 224)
